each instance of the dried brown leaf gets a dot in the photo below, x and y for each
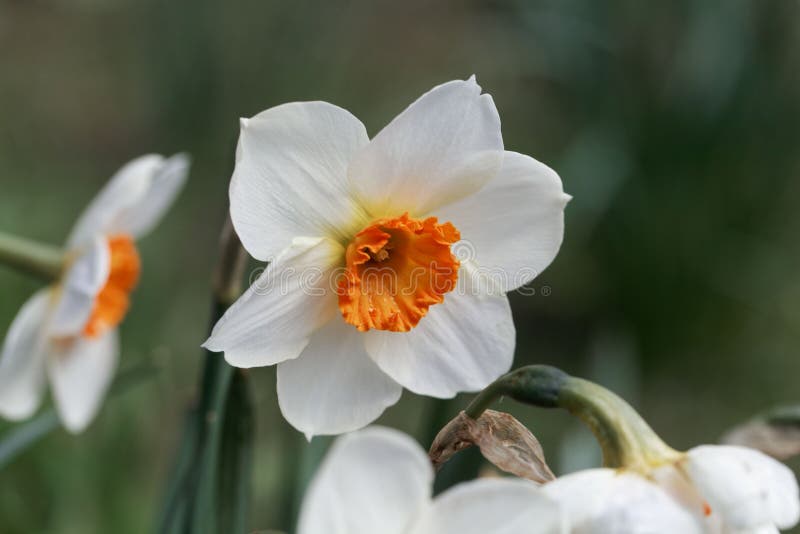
(779, 441)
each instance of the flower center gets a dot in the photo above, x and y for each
(112, 302)
(396, 269)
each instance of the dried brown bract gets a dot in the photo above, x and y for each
(503, 440)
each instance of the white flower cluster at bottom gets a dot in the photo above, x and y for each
(379, 480)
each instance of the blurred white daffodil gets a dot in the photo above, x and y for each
(68, 331)
(379, 480)
(711, 489)
(390, 258)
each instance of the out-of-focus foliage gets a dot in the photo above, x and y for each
(673, 124)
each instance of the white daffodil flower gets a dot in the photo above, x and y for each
(379, 480)
(68, 332)
(711, 489)
(389, 258)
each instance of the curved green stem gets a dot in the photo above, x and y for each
(539, 385)
(625, 438)
(41, 260)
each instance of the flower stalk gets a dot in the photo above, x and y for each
(209, 491)
(38, 259)
(626, 440)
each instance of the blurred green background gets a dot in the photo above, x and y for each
(675, 126)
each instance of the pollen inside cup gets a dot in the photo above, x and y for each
(111, 303)
(396, 269)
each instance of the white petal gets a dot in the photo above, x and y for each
(86, 277)
(498, 506)
(375, 481)
(603, 501)
(163, 186)
(291, 176)
(125, 189)
(513, 227)
(334, 386)
(22, 374)
(581, 494)
(81, 370)
(746, 487)
(643, 508)
(462, 344)
(443, 147)
(671, 478)
(274, 319)
(764, 529)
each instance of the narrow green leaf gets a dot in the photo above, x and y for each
(203, 507)
(210, 487)
(236, 458)
(174, 516)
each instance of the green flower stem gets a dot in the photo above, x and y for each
(626, 439)
(41, 260)
(209, 490)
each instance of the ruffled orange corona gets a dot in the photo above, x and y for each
(112, 302)
(396, 269)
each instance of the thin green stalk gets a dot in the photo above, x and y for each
(173, 514)
(34, 258)
(22, 437)
(203, 512)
